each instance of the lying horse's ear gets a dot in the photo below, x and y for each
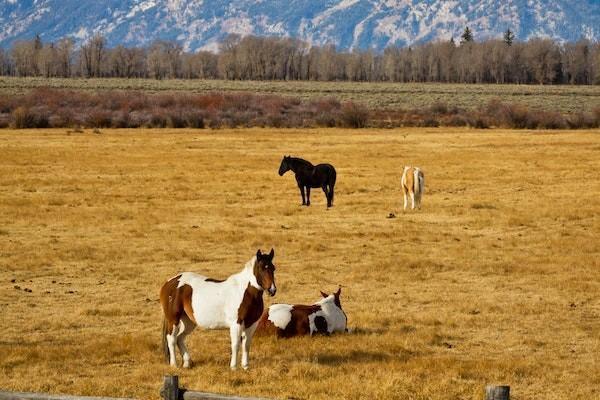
(324, 295)
(272, 254)
(339, 291)
(258, 254)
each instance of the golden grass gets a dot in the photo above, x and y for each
(375, 95)
(496, 280)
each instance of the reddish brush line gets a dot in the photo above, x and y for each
(55, 108)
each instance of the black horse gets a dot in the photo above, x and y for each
(310, 176)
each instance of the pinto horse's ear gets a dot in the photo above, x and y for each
(272, 254)
(339, 291)
(324, 294)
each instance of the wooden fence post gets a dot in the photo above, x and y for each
(493, 392)
(170, 389)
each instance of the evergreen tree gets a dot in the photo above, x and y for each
(509, 37)
(467, 36)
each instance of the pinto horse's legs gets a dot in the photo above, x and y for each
(412, 199)
(235, 332)
(308, 195)
(171, 341)
(186, 326)
(246, 341)
(405, 197)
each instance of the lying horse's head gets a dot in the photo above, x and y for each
(336, 297)
(264, 271)
(284, 166)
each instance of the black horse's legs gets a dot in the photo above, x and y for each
(330, 196)
(308, 195)
(302, 193)
(324, 187)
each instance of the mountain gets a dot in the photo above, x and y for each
(349, 24)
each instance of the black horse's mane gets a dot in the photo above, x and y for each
(296, 161)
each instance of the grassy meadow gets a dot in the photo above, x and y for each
(495, 280)
(380, 96)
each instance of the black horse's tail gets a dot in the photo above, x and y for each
(332, 178)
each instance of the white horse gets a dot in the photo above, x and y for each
(413, 185)
(189, 300)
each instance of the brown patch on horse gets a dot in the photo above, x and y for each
(176, 301)
(299, 323)
(266, 327)
(252, 306)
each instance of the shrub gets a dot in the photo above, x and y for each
(479, 122)
(516, 116)
(429, 122)
(175, 120)
(22, 118)
(551, 120)
(581, 121)
(439, 107)
(194, 119)
(157, 120)
(354, 115)
(4, 120)
(98, 118)
(121, 119)
(326, 120)
(456, 120)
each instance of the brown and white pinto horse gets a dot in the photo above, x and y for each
(286, 320)
(413, 185)
(189, 300)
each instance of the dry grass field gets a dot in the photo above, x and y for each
(495, 280)
(381, 95)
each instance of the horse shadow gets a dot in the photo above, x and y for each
(353, 357)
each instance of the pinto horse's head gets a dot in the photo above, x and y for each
(284, 166)
(264, 271)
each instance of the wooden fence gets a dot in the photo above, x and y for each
(171, 391)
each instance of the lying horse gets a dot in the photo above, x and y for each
(189, 300)
(413, 184)
(286, 320)
(310, 176)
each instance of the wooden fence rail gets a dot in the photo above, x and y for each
(4, 395)
(171, 391)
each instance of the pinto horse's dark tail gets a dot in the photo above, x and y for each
(165, 347)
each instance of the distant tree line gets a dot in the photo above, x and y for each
(536, 61)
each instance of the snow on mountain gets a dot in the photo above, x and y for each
(348, 24)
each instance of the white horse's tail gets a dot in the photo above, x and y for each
(418, 184)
